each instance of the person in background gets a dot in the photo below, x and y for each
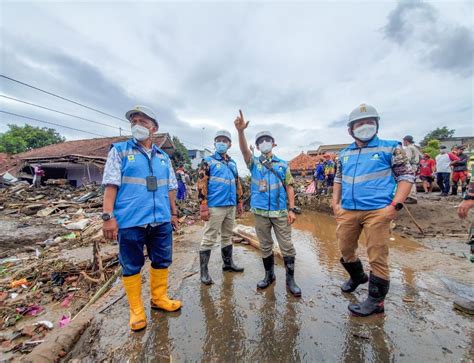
(38, 174)
(427, 169)
(319, 177)
(459, 170)
(414, 156)
(443, 170)
(181, 177)
(329, 172)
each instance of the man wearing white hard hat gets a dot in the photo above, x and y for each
(272, 202)
(373, 179)
(220, 195)
(139, 209)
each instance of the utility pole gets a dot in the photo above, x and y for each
(120, 131)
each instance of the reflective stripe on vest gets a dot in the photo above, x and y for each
(367, 176)
(222, 186)
(274, 198)
(135, 205)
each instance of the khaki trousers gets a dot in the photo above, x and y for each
(263, 228)
(376, 227)
(221, 220)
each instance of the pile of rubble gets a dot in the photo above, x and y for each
(53, 259)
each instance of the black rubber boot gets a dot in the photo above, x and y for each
(374, 304)
(356, 273)
(204, 260)
(290, 276)
(269, 264)
(228, 262)
(454, 189)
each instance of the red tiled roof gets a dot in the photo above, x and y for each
(305, 162)
(89, 147)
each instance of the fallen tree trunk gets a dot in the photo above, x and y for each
(248, 234)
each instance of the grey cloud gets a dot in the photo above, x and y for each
(417, 26)
(400, 25)
(340, 122)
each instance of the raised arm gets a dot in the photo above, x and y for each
(241, 125)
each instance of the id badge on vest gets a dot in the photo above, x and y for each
(151, 183)
(262, 185)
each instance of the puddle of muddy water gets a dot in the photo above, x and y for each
(232, 321)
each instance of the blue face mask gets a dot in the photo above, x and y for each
(221, 147)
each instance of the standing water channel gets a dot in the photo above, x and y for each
(232, 321)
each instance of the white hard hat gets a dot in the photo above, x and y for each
(147, 111)
(361, 112)
(263, 133)
(224, 133)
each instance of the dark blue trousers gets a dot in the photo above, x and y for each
(442, 179)
(158, 241)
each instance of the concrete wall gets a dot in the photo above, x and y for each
(84, 172)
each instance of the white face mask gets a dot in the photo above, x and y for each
(365, 132)
(265, 147)
(140, 133)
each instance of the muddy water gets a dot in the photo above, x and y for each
(232, 321)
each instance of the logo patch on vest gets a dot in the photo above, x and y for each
(345, 159)
(218, 165)
(376, 156)
(131, 157)
(259, 166)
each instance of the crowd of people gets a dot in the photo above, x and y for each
(450, 169)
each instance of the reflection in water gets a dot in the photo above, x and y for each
(278, 330)
(366, 341)
(224, 334)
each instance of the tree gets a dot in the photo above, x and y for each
(180, 156)
(437, 134)
(19, 139)
(432, 148)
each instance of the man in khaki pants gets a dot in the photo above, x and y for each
(373, 179)
(272, 202)
(220, 192)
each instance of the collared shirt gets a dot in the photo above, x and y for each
(113, 173)
(275, 213)
(203, 182)
(113, 170)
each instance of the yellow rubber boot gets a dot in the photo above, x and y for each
(133, 289)
(159, 291)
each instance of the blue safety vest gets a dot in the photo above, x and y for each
(274, 196)
(367, 177)
(222, 187)
(135, 205)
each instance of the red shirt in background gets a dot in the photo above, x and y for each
(453, 157)
(427, 166)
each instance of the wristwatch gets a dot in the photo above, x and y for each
(468, 197)
(107, 216)
(294, 210)
(397, 206)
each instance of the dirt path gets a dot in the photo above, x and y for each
(231, 321)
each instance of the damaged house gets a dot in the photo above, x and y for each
(79, 161)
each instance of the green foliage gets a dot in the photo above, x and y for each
(180, 156)
(437, 134)
(19, 139)
(432, 148)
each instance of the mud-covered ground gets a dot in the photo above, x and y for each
(232, 321)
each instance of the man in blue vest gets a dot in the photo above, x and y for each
(373, 179)
(139, 208)
(220, 193)
(272, 202)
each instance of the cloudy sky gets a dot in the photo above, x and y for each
(297, 69)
